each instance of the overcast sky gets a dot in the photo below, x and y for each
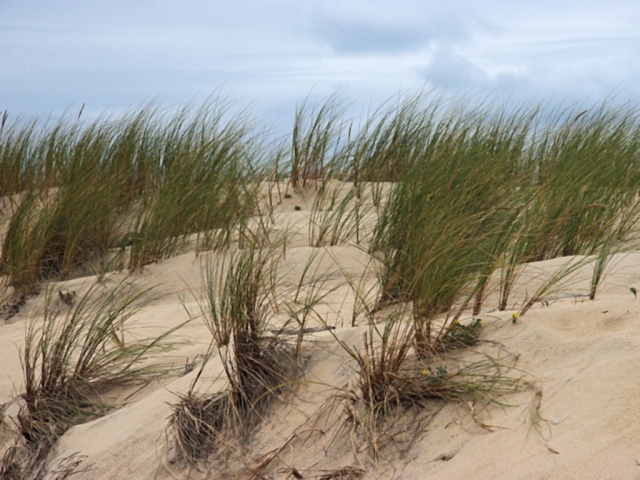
(113, 55)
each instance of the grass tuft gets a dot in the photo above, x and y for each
(258, 365)
(71, 357)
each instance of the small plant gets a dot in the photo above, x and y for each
(463, 335)
(435, 378)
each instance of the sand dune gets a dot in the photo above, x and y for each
(575, 417)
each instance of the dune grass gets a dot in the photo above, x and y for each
(480, 191)
(449, 218)
(71, 357)
(488, 189)
(583, 195)
(68, 216)
(258, 364)
(393, 380)
(316, 143)
(143, 183)
(204, 185)
(146, 182)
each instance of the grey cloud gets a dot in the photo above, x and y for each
(368, 28)
(455, 75)
(562, 69)
(452, 71)
(357, 37)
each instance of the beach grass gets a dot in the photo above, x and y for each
(258, 363)
(72, 355)
(143, 183)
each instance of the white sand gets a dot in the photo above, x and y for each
(580, 358)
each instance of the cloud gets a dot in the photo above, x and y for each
(355, 37)
(559, 66)
(452, 71)
(372, 27)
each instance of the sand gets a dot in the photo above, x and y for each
(577, 416)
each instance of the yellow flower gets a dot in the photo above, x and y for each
(425, 372)
(514, 317)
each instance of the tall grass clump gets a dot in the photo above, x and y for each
(587, 173)
(135, 154)
(384, 146)
(378, 151)
(257, 363)
(206, 184)
(68, 218)
(583, 195)
(17, 170)
(142, 183)
(71, 356)
(448, 219)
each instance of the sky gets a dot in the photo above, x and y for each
(113, 56)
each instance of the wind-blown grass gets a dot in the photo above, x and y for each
(483, 189)
(316, 142)
(144, 182)
(583, 195)
(448, 218)
(204, 186)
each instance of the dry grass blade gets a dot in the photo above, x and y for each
(346, 473)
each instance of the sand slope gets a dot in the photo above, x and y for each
(577, 418)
